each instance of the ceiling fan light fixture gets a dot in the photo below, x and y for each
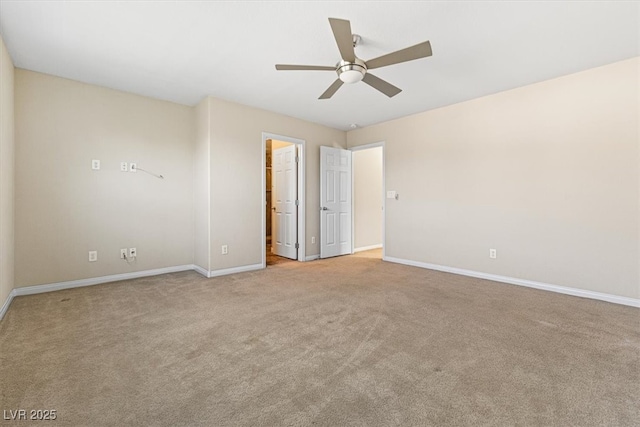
(351, 76)
(352, 69)
(351, 72)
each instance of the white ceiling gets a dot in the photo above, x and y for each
(183, 51)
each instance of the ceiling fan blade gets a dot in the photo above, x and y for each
(304, 67)
(342, 32)
(332, 89)
(421, 50)
(381, 85)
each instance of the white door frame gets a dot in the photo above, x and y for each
(300, 144)
(383, 195)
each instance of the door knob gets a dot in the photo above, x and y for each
(324, 208)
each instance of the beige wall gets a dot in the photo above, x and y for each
(64, 209)
(236, 178)
(6, 174)
(547, 174)
(201, 186)
(367, 197)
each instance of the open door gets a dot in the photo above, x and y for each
(285, 210)
(335, 202)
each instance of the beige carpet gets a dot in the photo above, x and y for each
(351, 341)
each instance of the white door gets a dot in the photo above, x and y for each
(284, 192)
(335, 202)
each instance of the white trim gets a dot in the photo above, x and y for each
(50, 287)
(201, 270)
(302, 240)
(7, 303)
(233, 270)
(37, 289)
(633, 302)
(367, 248)
(300, 144)
(263, 203)
(367, 146)
(384, 198)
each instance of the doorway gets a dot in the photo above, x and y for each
(368, 200)
(283, 196)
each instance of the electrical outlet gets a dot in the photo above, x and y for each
(123, 253)
(133, 167)
(493, 254)
(95, 165)
(225, 249)
(93, 256)
(133, 252)
(124, 167)
(313, 239)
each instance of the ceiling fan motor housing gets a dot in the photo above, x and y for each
(351, 72)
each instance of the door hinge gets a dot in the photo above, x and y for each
(297, 245)
(297, 159)
(297, 202)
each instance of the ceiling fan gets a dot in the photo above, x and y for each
(352, 69)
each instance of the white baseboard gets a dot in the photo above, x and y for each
(367, 248)
(37, 289)
(7, 303)
(51, 287)
(201, 270)
(633, 302)
(233, 270)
